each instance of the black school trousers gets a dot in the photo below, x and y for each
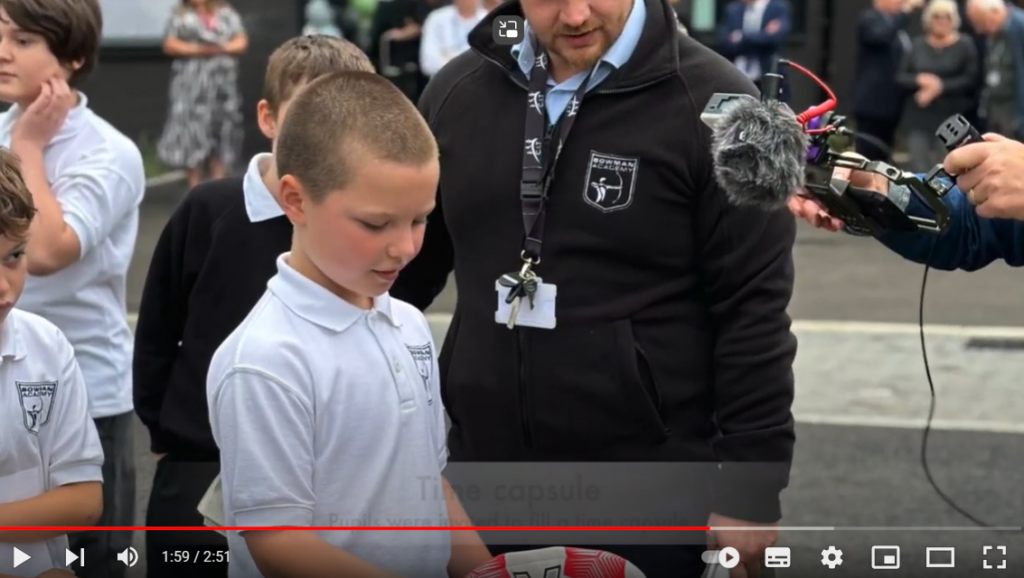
(178, 485)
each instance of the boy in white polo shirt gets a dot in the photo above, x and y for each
(86, 180)
(325, 401)
(50, 454)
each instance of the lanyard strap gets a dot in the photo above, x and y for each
(538, 158)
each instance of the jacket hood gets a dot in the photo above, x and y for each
(653, 58)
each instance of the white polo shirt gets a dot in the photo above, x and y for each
(97, 176)
(328, 415)
(47, 439)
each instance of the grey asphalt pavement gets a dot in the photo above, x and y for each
(862, 397)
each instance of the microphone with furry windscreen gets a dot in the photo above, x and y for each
(759, 152)
(760, 146)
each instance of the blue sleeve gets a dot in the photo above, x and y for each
(968, 244)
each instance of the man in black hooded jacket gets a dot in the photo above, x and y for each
(659, 329)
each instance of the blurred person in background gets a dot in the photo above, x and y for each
(204, 123)
(877, 99)
(941, 70)
(1002, 101)
(753, 33)
(446, 33)
(394, 45)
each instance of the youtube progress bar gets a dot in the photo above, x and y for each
(70, 529)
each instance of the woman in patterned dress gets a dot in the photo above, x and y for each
(204, 124)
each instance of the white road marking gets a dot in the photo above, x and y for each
(439, 322)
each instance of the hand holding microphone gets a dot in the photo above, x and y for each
(811, 211)
(991, 176)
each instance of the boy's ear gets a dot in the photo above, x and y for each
(292, 199)
(267, 120)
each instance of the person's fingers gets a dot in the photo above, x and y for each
(969, 180)
(993, 137)
(966, 157)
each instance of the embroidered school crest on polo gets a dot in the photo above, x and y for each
(610, 181)
(423, 355)
(36, 400)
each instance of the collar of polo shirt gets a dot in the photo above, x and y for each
(260, 203)
(11, 344)
(71, 125)
(316, 304)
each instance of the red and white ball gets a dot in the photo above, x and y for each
(558, 562)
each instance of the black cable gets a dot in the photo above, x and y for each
(882, 146)
(931, 410)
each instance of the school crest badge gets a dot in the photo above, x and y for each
(423, 355)
(610, 181)
(36, 402)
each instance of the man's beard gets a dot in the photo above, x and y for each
(580, 59)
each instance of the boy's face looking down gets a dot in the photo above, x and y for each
(25, 63)
(16, 213)
(358, 239)
(359, 172)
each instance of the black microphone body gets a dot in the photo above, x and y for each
(759, 150)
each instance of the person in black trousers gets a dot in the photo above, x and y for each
(877, 99)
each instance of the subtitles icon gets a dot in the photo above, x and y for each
(777, 557)
(940, 557)
(507, 30)
(885, 557)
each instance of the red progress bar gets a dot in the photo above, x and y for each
(335, 528)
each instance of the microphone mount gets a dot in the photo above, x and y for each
(863, 211)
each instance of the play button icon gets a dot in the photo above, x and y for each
(728, 557)
(20, 557)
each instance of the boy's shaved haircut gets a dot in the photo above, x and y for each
(16, 205)
(346, 117)
(72, 29)
(307, 58)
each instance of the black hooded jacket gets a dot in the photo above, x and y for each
(673, 342)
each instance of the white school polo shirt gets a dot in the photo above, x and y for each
(327, 415)
(47, 439)
(97, 176)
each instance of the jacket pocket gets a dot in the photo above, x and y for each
(591, 388)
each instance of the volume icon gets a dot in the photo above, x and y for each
(130, 557)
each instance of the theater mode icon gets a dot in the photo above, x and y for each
(940, 557)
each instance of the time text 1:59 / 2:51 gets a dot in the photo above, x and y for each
(197, 556)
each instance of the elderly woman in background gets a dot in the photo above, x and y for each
(941, 70)
(204, 124)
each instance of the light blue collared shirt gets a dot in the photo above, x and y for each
(560, 94)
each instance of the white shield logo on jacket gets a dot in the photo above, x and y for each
(610, 181)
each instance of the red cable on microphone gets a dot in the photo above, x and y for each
(818, 110)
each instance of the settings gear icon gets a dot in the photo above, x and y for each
(832, 557)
